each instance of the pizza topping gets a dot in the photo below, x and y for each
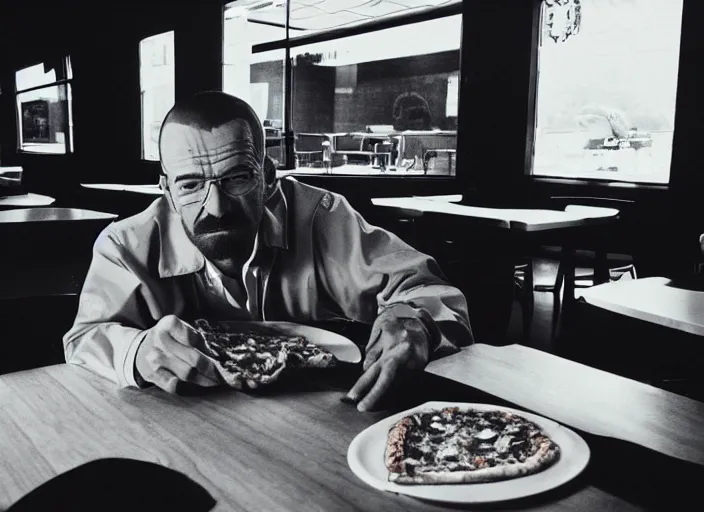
(486, 435)
(451, 440)
(253, 359)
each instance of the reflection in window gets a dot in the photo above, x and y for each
(606, 91)
(157, 83)
(44, 105)
(365, 100)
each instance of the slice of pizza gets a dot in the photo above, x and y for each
(454, 446)
(253, 359)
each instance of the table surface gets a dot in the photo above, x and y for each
(152, 190)
(505, 218)
(286, 450)
(35, 215)
(651, 299)
(26, 200)
(279, 452)
(582, 397)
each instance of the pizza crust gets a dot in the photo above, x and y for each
(395, 446)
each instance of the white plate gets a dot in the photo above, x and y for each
(342, 348)
(365, 457)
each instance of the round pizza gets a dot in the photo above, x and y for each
(455, 446)
(253, 359)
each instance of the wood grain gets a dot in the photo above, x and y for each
(278, 451)
(582, 397)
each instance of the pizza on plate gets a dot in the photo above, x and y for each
(455, 446)
(253, 359)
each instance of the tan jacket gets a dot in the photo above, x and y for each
(317, 260)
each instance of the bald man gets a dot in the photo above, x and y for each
(230, 242)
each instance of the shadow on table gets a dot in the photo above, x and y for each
(118, 484)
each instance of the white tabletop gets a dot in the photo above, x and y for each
(33, 215)
(152, 190)
(651, 299)
(452, 198)
(518, 219)
(26, 200)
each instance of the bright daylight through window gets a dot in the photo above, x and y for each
(366, 99)
(157, 83)
(606, 91)
(45, 107)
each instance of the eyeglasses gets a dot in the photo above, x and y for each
(192, 190)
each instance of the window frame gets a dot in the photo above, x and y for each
(66, 81)
(531, 119)
(408, 18)
(142, 134)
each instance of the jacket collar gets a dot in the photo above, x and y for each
(177, 254)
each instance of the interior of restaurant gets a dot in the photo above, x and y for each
(498, 105)
(546, 153)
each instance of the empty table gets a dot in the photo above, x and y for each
(25, 201)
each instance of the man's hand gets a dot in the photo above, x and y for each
(395, 345)
(170, 354)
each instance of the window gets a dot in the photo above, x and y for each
(44, 106)
(157, 84)
(606, 89)
(374, 85)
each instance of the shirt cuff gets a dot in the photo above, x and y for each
(129, 369)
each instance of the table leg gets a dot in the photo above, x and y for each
(601, 268)
(568, 300)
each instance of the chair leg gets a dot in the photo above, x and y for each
(528, 302)
(557, 303)
(601, 268)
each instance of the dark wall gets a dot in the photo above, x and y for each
(271, 73)
(313, 97)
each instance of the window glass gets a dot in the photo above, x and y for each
(380, 101)
(157, 83)
(34, 76)
(606, 90)
(45, 116)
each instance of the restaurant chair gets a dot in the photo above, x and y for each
(602, 253)
(523, 294)
(383, 155)
(308, 148)
(439, 161)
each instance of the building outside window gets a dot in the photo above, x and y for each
(45, 107)
(606, 89)
(374, 84)
(157, 83)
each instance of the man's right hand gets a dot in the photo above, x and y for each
(170, 353)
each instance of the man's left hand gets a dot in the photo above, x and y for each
(395, 345)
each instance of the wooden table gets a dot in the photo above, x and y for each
(286, 449)
(652, 299)
(25, 201)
